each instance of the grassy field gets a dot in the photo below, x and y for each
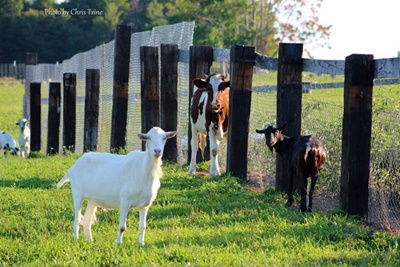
(195, 221)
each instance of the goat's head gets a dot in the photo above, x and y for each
(155, 140)
(22, 123)
(272, 135)
(214, 83)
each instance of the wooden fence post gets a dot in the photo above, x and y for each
(150, 88)
(35, 119)
(356, 135)
(121, 81)
(69, 112)
(53, 122)
(91, 110)
(288, 110)
(200, 61)
(31, 60)
(169, 97)
(242, 62)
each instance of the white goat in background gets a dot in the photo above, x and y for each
(24, 139)
(118, 181)
(7, 142)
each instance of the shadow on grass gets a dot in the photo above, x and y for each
(33, 182)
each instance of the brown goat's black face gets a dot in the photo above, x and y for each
(272, 135)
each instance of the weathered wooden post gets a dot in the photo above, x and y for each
(35, 119)
(200, 61)
(356, 135)
(91, 123)
(53, 122)
(150, 88)
(242, 62)
(69, 112)
(31, 60)
(288, 106)
(169, 97)
(121, 82)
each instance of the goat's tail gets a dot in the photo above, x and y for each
(63, 181)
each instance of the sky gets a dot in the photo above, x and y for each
(360, 27)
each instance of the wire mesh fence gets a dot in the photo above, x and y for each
(384, 185)
(102, 58)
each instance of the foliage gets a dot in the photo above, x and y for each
(35, 26)
(55, 36)
(262, 24)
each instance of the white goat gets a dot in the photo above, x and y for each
(24, 139)
(7, 142)
(118, 181)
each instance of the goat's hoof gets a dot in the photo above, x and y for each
(288, 204)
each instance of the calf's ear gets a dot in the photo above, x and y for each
(200, 83)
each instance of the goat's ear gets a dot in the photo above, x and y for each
(143, 137)
(170, 134)
(260, 131)
(200, 83)
(282, 127)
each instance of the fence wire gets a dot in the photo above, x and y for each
(102, 58)
(384, 185)
(182, 35)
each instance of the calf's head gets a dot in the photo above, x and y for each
(155, 140)
(214, 83)
(272, 135)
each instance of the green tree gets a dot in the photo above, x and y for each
(11, 7)
(262, 23)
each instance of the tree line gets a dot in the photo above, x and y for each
(57, 31)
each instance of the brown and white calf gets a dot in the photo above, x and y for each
(209, 111)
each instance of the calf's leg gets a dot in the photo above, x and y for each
(194, 143)
(214, 149)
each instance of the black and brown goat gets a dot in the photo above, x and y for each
(306, 156)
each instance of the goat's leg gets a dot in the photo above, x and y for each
(290, 190)
(194, 143)
(310, 196)
(142, 224)
(88, 219)
(78, 216)
(303, 182)
(214, 149)
(123, 214)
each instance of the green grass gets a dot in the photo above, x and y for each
(195, 221)
(11, 97)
